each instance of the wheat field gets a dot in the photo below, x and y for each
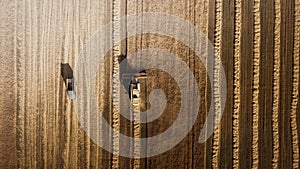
(258, 43)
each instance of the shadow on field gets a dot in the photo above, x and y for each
(66, 71)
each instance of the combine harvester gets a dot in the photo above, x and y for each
(71, 88)
(135, 88)
(67, 74)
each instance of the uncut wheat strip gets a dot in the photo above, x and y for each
(44, 67)
(51, 85)
(86, 32)
(27, 76)
(47, 64)
(137, 126)
(65, 106)
(78, 132)
(30, 89)
(115, 82)
(15, 77)
(8, 85)
(94, 7)
(27, 86)
(255, 102)
(41, 155)
(59, 99)
(34, 44)
(59, 95)
(295, 95)
(137, 134)
(20, 54)
(216, 92)
(276, 85)
(76, 151)
(237, 45)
